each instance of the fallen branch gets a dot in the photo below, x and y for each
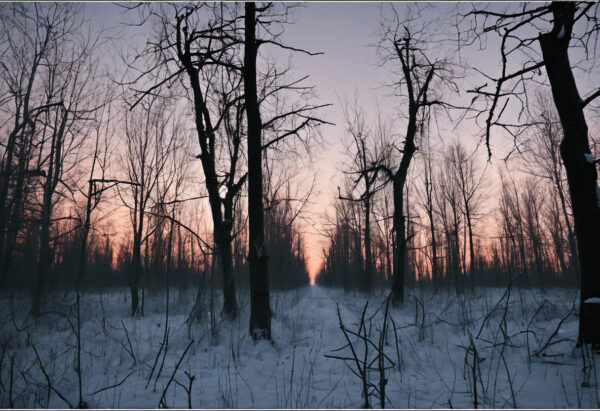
(112, 386)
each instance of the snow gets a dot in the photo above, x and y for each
(232, 371)
(589, 157)
(593, 300)
(561, 33)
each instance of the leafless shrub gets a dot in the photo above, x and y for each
(363, 362)
(162, 402)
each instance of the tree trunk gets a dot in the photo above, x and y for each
(205, 131)
(223, 241)
(43, 262)
(471, 248)
(581, 175)
(136, 274)
(399, 244)
(574, 258)
(226, 259)
(434, 259)
(368, 256)
(4, 206)
(260, 309)
(52, 178)
(15, 212)
(136, 262)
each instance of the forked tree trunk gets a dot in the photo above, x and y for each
(581, 174)
(260, 308)
(206, 135)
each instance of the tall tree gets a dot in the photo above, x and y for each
(149, 143)
(542, 157)
(195, 45)
(200, 46)
(32, 53)
(260, 307)
(427, 196)
(469, 182)
(571, 22)
(71, 80)
(424, 78)
(365, 150)
(449, 206)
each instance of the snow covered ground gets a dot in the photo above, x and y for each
(433, 354)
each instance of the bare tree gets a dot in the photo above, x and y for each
(96, 187)
(260, 308)
(512, 227)
(200, 47)
(194, 51)
(469, 181)
(542, 157)
(148, 143)
(423, 78)
(573, 24)
(35, 69)
(71, 79)
(343, 257)
(532, 205)
(427, 196)
(367, 151)
(383, 223)
(285, 206)
(449, 204)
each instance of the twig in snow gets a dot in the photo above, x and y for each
(155, 362)
(50, 387)
(187, 389)
(130, 351)
(112, 386)
(548, 342)
(162, 364)
(161, 403)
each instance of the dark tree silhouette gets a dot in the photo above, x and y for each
(367, 149)
(570, 24)
(424, 77)
(260, 307)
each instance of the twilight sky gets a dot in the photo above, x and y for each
(345, 32)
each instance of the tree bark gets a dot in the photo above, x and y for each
(260, 309)
(581, 175)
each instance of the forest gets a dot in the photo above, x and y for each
(287, 205)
